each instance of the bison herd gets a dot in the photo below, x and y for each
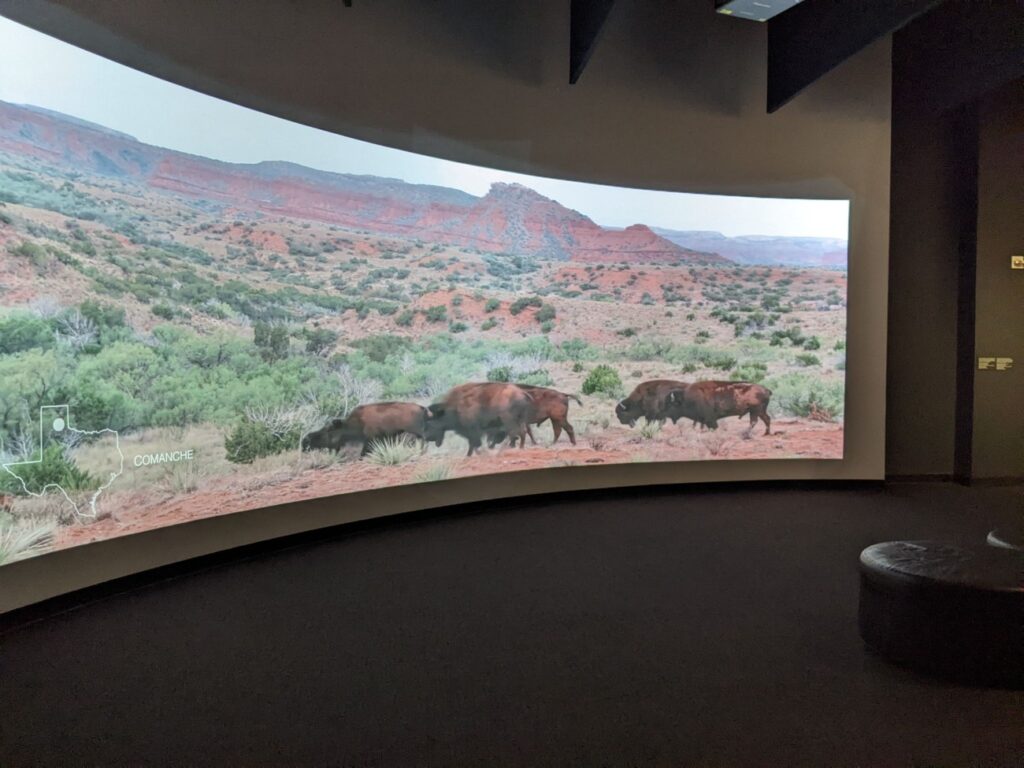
(498, 411)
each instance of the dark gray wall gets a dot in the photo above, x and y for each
(957, 212)
(927, 174)
(998, 446)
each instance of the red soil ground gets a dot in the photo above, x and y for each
(792, 439)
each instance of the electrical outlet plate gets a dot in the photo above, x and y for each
(1017, 261)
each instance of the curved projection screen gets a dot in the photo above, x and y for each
(205, 309)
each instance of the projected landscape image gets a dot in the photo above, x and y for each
(205, 320)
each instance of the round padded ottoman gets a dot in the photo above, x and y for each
(1007, 538)
(953, 611)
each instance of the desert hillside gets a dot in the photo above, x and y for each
(173, 301)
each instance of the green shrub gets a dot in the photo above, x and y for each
(487, 324)
(803, 395)
(806, 359)
(547, 327)
(31, 251)
(577, 367)
(538, 378)
(436, 314)
(491, 305)
(577, 349)
(162, 311)
(754, 372)
(271, 341)
(812, 343)
(320, 340)
(457, 327)
(501, 373)
(55, 469)
(603, 378)
(392, 451)
(720, 361)
(405, 318)
(456, 301)
(433, 473)
(650, 430)
(379, 348)
(22, 331)
(506, 265)
(701, 337)
(545, 313)
(519, 305)
(251, 440)
(793, 335)
(21, 540)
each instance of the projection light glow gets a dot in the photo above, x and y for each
(205, 309)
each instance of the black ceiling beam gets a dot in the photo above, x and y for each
(957, 52)
(586, 20)
(815, 36)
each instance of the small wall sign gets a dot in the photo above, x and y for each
(995, 363)
(1017, 262)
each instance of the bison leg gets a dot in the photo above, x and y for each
(557, 429)
(518, 432)
(530, 433)
(710, 420)
(474, 442)
(765, 418)
(570, 432)
(365, 450)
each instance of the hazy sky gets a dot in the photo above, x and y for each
(40, 70)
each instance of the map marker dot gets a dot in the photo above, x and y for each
(58, 425)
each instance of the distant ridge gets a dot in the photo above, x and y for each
(510, 218)
(764, 249)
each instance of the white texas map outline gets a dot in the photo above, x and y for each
(65, 424)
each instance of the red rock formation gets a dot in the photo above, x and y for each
(510, 218)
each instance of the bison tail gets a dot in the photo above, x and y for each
(573, 397)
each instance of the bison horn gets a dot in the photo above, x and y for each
(620, 406)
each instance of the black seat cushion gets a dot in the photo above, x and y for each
(949, 610)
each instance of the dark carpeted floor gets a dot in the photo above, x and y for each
(688, 628)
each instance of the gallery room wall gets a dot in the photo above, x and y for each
(672, 99)
(955, 203)
(998, 441)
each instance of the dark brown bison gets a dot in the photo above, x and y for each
(546, 404)
(367, 423)
(708, 401)
(650, 400)
(473, 410)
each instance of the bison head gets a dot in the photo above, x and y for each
(627, 412)
(314, 441)
(326, 438)
(435, 424)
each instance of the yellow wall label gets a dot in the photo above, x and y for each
(995, 363)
